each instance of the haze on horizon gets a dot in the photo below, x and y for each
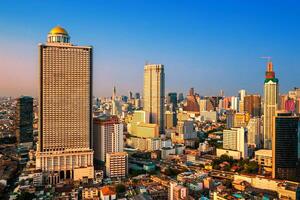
(206, 45)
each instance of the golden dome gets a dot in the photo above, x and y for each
(58, 30)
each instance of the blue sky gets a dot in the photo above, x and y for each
(209, 45)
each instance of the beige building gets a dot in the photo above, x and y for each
(264, 159)
(236, 139)
(271, 91)
(154, 93)
(116, 164)
(65, 113)
(254, 133)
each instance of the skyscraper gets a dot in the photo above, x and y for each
(270, 104)
(24, 120)
(285, 147)
(154, 93)
(65, 107)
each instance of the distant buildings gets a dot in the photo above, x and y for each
(285, 147)
(116, 164)
(65, 110)
(154, 94)
(252, 105)
(107, 136)
(271, 90)
(24, 120)
(191, 102)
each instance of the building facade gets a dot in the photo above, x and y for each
(65, 112)
(116, 164)
(271, 91)
(24, 120)
(154, 93)
(285, 147)
(107, 136)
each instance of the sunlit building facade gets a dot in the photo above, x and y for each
(154, 93)
(65, 113)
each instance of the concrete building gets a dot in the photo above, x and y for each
(252, 105)
(177, 192)
(191, 105)
(116, 164)
(264, 159)
(107, 136)
(271, 90)
(236, 139)
(209, 116)
(285, 147)
(241, 119)
(24, 120)
(154, 94)
(254, 133)
(169, 119)
(65, 106)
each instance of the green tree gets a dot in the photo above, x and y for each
(120, 188)
(25, 196)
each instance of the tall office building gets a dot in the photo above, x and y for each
(107, 136)
(24, 120)
(65, 107)
(252, 105)
(154, 93)
(285, 147)
(270, 104)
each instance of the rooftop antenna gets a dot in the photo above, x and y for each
(268, 58)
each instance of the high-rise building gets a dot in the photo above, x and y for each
(107, 136)
(24, 120)
(254, 133)
(172, 100)
(236, 139)
(235, 103)
(252, 105)
(65, 107)
(285, 147)
(116, 164)
(154, 93)
(271, 90)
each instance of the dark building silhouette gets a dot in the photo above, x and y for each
(24, 119)
(285, 147)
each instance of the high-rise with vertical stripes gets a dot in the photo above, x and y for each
(271, 91)
(65, 113)
(154, 93)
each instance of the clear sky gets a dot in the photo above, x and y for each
(210, 45)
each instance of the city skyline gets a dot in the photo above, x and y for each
(197, 44)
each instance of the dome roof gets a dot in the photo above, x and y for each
(58, 30)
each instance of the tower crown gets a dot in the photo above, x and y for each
(58, 35)
(270, 74)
